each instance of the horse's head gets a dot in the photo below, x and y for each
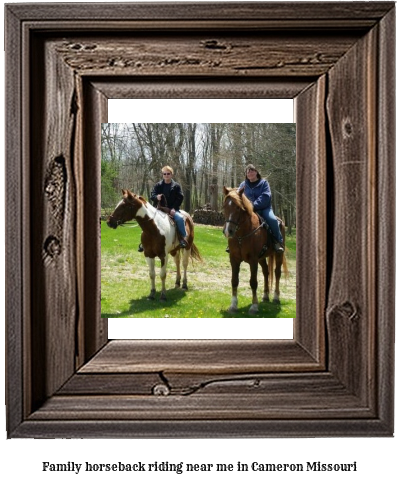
(235, 206)
(126, 209)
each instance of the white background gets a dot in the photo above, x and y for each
(377, 458)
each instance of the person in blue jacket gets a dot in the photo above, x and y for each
(257, 190)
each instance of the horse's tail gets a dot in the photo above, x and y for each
(284, 264)
(285, 267)
(195, 253)
(271, 263)
(272, 258)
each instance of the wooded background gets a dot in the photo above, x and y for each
(204, 157)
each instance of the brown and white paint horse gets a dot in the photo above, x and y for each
(247, 238)
(159, 237)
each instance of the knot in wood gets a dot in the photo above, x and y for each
(347, 128)
(161, 390)
(52, 247)
(213, 44)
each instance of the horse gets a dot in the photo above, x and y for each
(159, 237)
(250, 242)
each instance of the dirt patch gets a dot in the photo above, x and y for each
(207, 276)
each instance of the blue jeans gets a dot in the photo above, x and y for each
(271, 220)
(180, 224)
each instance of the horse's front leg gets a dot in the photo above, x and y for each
(151, 268)
(254, 286)
(164, 262)
(235, 272)
(265, 270)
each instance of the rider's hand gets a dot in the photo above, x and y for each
(159, 196)
(172, 212)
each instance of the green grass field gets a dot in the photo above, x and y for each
(125, 283)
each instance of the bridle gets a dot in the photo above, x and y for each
(237, 224)
(121, 223)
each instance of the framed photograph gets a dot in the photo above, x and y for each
(205, 158)
(65, 377)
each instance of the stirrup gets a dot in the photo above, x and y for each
(263, 251)
(140, 249)
(228, 250)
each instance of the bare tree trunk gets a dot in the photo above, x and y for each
(216, 137)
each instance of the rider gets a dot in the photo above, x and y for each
(174, 197)
(257, 190)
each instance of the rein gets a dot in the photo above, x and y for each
(240, 239)
(131, 205)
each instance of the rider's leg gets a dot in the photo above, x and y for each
(181, 227)
(272, 221)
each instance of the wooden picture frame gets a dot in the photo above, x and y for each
(64, 378)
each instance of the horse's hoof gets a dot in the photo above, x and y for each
(253, 310)
(162, 297)
(276, 301)
(266, 299)
(185, 287)
(232, 310)
(151, 297)
(177, 285)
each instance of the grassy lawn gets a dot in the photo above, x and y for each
(125, 283)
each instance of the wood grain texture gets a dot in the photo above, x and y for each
(15, 258)
(351, 109)
(177, 87)
(312, 218)
(95, 329)
(204, 407)
(385, 223)
(53, 196)
(200, 356)
(70, 382)
(191, 428)
(273, 428)
(239, 55)
(244, 12)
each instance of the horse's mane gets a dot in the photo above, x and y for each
(240, 200)
(130, 195)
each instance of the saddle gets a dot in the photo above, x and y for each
(162, 207)
(264, 224)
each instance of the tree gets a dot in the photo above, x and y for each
(204, 156)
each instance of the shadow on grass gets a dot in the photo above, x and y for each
(266, 310)
(143, 304)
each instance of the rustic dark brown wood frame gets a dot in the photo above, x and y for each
(64, 378)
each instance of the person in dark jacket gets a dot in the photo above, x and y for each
(257, 190)
(174, 198)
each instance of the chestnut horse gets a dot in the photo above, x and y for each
(159, 237)
(250, 242)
